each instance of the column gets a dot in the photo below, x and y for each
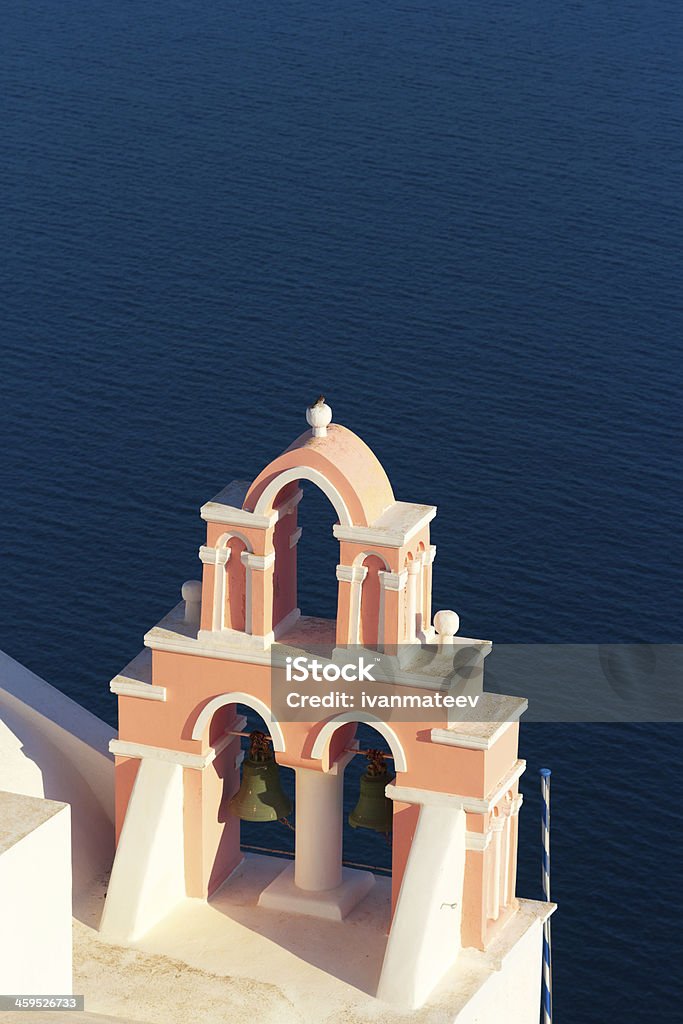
(259, 593)
(222, 559)
(354, 576)
(513, 827)
(430, 555)
(319, 811)
(391, 585)
(413, 568)
(497, 825)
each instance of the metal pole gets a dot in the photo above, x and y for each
(547, 984)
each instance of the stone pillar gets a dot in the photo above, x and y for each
(494, 887)
(319, 810)
(259, 593)
(413, 577)
(349, 602)
(513, 831)
(429, 562)
(390, 625)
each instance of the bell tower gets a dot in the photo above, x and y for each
(452, 797)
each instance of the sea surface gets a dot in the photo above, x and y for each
(460, 220)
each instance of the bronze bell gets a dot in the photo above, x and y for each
(374, 810)
(260, 796)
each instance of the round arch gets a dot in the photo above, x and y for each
(225, 539)
(360, 558)
(238, 697)
(270, 492)
(323, 738)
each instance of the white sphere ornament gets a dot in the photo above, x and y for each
(447, 624)
(192, 596)
(319, 417)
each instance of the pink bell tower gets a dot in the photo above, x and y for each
(456, 789)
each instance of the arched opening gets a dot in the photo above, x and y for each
(306, 554)
(371, 602)
(231, 587)
(235, 609)
(367, 848)
(272, 839)
(229, 719)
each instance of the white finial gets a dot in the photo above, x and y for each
(319, 416)
(447, 624)
(192, 596)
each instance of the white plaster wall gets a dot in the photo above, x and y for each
(513, 993)
(424, 941)
(52, 747)
(35, 911)
(148, 876)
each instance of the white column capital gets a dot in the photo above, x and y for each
(351, 573)
(431, 554)
(414, 567)
(515, 804)
(393, 580)
(213, 556)
(258, 562)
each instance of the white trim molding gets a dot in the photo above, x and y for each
(351, 573)
(131, 688)
(238, 697)
(321, 747)
(272, 489)
(295, 537)
(393, 580)
(124, 748)
(258, 562)
(397, 525)
(473, 805)
(477, 841)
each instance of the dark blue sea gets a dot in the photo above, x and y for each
(461, 221)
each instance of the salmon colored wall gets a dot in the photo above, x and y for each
(502, 756)
(473, 904)
(343, 613)
(404, 825)
(125, 772)
(351, 553)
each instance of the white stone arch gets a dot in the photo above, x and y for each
(239, 697)
(225, 539)
(221, 565)
(270, 492)
(359, 559)
(322, 741)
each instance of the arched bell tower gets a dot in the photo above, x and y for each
(385, 556)
(455, 792)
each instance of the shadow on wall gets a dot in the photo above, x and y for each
(51, 747)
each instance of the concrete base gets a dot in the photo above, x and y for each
(332, 904)
(229, 959)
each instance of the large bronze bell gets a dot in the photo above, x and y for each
(260, 796)
(374, 810)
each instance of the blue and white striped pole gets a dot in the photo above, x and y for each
(547, 985)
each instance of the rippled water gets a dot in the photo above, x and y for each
(461, 221)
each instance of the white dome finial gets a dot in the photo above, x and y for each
(319, 417)
(447, 624)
